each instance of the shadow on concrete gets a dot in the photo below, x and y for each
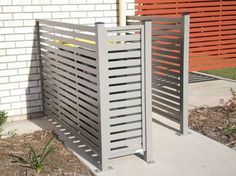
(198, 77)
(166, 125)
(71, 141)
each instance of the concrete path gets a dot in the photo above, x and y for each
(209, 93)
(174, 155)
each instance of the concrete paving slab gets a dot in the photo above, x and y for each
(174, 155)
(26, 126)
(209, 93)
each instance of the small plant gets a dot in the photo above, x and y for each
(12, 133)
(3, 119)
(37, 161)
(231, 103)
(230, 130)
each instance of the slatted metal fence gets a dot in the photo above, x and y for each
(170, 45)
(212, 28)
(96, 83)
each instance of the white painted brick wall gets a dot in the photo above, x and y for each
(20, 91)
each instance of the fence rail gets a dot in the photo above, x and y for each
(212, 29)
(95, 81)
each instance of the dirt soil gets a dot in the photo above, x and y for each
(14, 154)
(218, 123)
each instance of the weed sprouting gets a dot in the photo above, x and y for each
(37, 161)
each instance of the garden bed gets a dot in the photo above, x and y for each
(218, 123)
(61, 162)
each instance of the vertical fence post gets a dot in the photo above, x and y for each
(185, 72)
(148, 88)
(37, 29)
(103, 94)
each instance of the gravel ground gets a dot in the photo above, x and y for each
(14, 157)
(218, 123)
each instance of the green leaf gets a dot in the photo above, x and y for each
(36, 161)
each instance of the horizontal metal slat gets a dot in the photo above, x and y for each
(64, 74)
(167, 52)
(68, 32)
(83, 102)
(65, 106)
(153, 18)
(164, 89)
(127, 142)
(167, 65)
(124, 46)
(72, 56)
(68, 105)
(165, 59)
(173, 79)
(168, 84)
(81, 96)
(125, 38)
(68, 41)
(89, 137)
(94, 148)
(166, 114)
(80, 51)
(166, 102)
(88, 114)
(174, 73)
(127, 134)
(64, 115)
(91, 130)
(125, 151)
(124, 87)
(166, 26)
(164, 95)
(125, 71)
(62, 81)
(124, 28)
(124, 127)
(166, 39)
(125, 95)
(163, 107)
(166, 33)
(94, 124)
(156, 43)
(88, 65)
(126, 79)
(126, 119)
(124, 63)
(125, 111)
(125, 54)
(67, 25)
(63, 63)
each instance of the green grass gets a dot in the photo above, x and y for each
(229, 73)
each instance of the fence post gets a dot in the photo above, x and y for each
(185, 72)
(148, 88)
(103, 94)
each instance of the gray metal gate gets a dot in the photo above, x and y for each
(170, 48)
(97, 82)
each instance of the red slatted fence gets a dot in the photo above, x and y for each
(212, 29)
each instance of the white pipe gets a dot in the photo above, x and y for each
(122, 12)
